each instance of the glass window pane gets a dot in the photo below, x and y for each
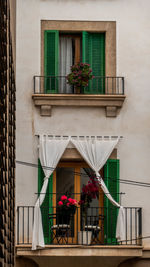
(93, 210)
(65, 186)
(64, 182)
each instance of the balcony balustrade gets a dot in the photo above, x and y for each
(97, 227)
(104, 92)
(98, 85)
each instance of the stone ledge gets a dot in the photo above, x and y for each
(81, 251)
(111, 103)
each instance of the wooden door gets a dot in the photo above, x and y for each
(72, 171)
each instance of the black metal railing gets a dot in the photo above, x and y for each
(96, 226)
(98, 85)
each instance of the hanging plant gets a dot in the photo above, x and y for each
(80, 75)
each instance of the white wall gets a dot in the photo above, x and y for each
(133, 121)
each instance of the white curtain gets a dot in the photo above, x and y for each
(95, 153)
(50, 152)
(65, 62)
(120, 229)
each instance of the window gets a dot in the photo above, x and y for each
(62, 50)
(93, 42)
(68, 179)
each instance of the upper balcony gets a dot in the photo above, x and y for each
(104, 92)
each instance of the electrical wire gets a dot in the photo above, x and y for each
(51, 168)
(129, 182)
(133, 239)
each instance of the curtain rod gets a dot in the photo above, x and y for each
(82, 136)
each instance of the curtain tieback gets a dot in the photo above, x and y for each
(46, 177)
(98, 177)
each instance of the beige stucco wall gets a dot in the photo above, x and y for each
(133, 121)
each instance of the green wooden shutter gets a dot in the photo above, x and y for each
(111, 179)
(93, 53)
(51, 54)
(86, 47)
(46, 207)
(86, 56)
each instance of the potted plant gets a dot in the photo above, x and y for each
(79, 77)
(89, 192)
(66, 208)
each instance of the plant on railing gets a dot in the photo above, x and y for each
(89, 191)
(80, 75)
(66, 208)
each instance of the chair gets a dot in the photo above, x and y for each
(95, 233)
(93, 226)
(59, 231)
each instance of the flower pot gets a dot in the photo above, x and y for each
(84, 237)
(77, 90)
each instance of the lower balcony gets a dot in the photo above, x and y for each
(104, 92)
(80, 240)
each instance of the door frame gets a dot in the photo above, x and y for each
(77, 191)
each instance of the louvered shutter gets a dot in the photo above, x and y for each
(46, 207)
(86, 56)
(111, 179)
(86, 47)
(93, 53)
(51, 48)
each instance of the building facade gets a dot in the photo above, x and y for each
(113, 38)
(7, 133)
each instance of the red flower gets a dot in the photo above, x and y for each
(81, 202)
(60, 203)
(72, 201)
(63, 197)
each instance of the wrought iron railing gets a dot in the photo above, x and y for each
(98, 85)
(96, 227)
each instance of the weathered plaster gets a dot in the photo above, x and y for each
(133, 122)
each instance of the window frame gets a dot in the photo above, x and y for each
(108, 27)
(77, 190)
(88, 48)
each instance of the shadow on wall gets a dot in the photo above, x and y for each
(25, 262)
(135, 263)
(68, 261)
